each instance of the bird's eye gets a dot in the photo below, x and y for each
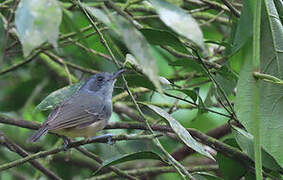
(100, 78)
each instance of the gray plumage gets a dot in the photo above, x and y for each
(85, 112)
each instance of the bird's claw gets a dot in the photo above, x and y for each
(66, 142)
(107, 136)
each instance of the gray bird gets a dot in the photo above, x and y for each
(85, 112)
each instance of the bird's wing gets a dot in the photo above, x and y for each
(78, 111)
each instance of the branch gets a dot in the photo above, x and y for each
(212, 4)
(203, 138)
(164, 169)
(16, 66)
(194, 58)
(72, 145)
(17, 149)
(62, 62)
(232, 9)
(119, 172)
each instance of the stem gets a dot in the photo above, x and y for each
(255, 98)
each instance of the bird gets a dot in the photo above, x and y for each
(85, 113)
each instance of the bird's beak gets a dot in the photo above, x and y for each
(118, 73)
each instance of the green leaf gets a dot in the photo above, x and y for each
(37, 23)
(174, 17)
(139, 81)
(270, 95)
(245, 140)
(181, 132)
(191, 93)
(279, 5)
(190, 64)
(205, 176)
(164, 38)
(130, 157)
(227, 79)
(56, 97)
(227, 166)
(245, 26)
(135, 42)
(228, 46)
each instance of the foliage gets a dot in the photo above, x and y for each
(203, 93)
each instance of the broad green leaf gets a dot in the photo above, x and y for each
(37, 21)
(227, 79)
(165, 38)
(130, 157)
(135, 42)
(133, 64)
(227, 166)
(180, 131)
(140, 48)
(271, 103)
(191, 65)
(139, 81)
(270, 95)
(191, 93)
(56, 97)
(279, 5)
(245, 141)
(174, 17)
(99, 14)
(245, 26)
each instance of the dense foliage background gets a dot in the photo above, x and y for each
(213, 67)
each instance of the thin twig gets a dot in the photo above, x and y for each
(16, 66)
(163, 169)
(61, 61)
(17, 149)
(99, 161)
(217, 85)
(190, 57)
(234, 11)
(195, 104)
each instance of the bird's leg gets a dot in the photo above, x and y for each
(108, 136)
(66, 142)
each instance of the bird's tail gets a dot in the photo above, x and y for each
(36, 136)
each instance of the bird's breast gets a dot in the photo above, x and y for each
(86, 132)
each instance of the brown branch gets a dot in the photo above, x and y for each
(232, 8)
(17, 149)
(73, 145)
(98, 160)
(16, 66)
(62, 62)
(164, 169)
(120, 108)
(203, 138)
(194, 58)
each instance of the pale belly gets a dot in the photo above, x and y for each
(86, 132)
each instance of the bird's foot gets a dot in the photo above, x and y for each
(107, 136)
(66, 142)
